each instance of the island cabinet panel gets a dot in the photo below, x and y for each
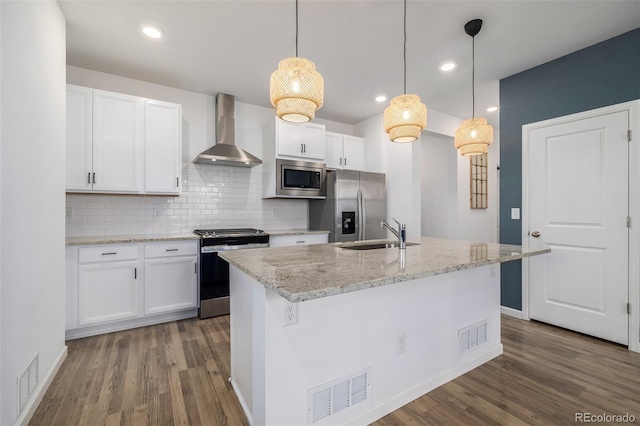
(274, 367)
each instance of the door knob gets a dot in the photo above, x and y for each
(535, 234)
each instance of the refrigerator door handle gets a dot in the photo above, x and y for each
(360, 216)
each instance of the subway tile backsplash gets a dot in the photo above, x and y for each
(212, 197)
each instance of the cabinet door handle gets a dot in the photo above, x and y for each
(195, 268)
(110, 253)
(177, 182)
(345, 161)
(305, 148)
(171, 250)
(341, 161)
(135, 273)
(89, 178)
(94, 178)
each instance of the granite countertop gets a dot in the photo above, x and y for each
(122, 239)
(310, 272)
(280, 232)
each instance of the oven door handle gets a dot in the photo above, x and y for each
(214, 249)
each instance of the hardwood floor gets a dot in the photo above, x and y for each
(176, 374)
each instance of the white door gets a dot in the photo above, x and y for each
(313, 137)
(333, 150)
(107, 291)
(118, 147)
(162, 147)
(79, 138)
(578, 205)
(353, 153)
(170, 284)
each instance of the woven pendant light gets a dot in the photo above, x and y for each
(296, 88)
(406, 116)
(474, 135)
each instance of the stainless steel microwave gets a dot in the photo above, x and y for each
(300, 179)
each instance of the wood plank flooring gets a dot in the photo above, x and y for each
(176, 374)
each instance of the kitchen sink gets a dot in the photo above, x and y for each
(375, 246)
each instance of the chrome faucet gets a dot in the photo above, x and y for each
(401, 233)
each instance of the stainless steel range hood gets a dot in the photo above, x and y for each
(225, 152)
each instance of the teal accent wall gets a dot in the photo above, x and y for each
(606, 73)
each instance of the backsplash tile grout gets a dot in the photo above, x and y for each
(212, 197)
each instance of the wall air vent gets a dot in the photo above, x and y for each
(472, 336)
(28, 381)
(335, 400)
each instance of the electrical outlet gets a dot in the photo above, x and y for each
(401, 343)
(69, 212)
(156, 213)
(290, 314)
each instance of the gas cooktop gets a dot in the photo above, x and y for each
(232, 236)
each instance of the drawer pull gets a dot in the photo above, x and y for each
(300, 242)
(171, 250)
(109, 254)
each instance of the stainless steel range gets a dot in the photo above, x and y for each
(214, 271)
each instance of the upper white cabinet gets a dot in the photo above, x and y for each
(112, 139)
(163, 129)
(344, 151)
(79, 136)
(300, 140)
(118, 145)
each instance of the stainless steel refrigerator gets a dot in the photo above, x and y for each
(356, 203)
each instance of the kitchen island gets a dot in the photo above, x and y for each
(328, 334)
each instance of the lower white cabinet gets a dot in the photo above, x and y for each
(297, 240)
(118, 286)
(170, 284)
(107, 291)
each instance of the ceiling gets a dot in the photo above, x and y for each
(233, 46)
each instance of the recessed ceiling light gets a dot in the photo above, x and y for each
(447, 66)
(381, 98)
(152, 31)
(492, 109)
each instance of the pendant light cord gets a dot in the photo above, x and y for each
(405, 47)
(296, 28)
(473, 77)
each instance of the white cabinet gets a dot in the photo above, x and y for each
(118, 145)
(298, 240)
(79, 135)
(107, 289)
(344, 151)
(122, 144)
(170, 281)
(300, 140)
(163, 129)
(118, 286)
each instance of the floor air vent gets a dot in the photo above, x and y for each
(472, 336)
(28, 381)
(337, 398)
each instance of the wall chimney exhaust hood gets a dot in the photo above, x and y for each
(225, 152)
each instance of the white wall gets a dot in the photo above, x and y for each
(213, 196)
(439, 164)
(32, 193)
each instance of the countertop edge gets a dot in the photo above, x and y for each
(92, 241)
(333, 291)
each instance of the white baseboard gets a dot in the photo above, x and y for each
(92, 330)
(39, 392)
(385, 407)
(243, 403)
(511, 312)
